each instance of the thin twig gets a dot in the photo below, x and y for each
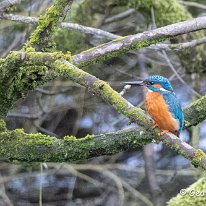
(104, 34)
(40, 185)
(180, 46)
(137, 41)
(71, 26)
(7, 3)
(164, 54)
(119, 16)
(193, 4)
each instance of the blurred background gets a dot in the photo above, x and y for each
(150, 176)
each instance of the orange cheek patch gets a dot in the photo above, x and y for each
(157, 86)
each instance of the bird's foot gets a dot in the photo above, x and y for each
(154, 126)
(164, 132)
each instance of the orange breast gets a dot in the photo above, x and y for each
(159, 111)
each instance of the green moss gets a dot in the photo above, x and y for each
(136, 115)
(186, 123)
(42, 39)
(42, 36)
(166, 11)
(28, 48)
(89, 136)
(194, 195)
(108, 55)
(196, 112)
(119, 38)
(17, 79)
(70, 138)
(198, 157)
(2, 125)
(60, 55)
(73, 138)
(17, 145)
(173, 46)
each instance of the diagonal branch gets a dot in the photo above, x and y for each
(57, 66)
(137, 41)
(71, 149)
(42, 37)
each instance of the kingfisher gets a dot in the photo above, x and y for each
(162, 104)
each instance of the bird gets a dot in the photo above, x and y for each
(162, 104)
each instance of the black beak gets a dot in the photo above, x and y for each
(137, 83)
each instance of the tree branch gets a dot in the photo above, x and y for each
(42, 38)
(193, 195)
(65, 25)
(88, 146)
(17, 145)
(49, 66)
(104, 34)
(179, 46)
(194, 4)
(137, 41)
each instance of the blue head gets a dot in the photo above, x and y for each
(157, 81)
(154, 83)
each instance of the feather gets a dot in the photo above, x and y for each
(174, 107)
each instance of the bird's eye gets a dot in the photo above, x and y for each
(149, 83)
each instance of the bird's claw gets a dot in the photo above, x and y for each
(164, 132)
(155, 126)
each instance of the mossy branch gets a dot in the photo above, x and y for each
(137, 41)
(60, 67)
(17, 79)
(22, 71)
(42, 39)
(17, 145)
(193, 195)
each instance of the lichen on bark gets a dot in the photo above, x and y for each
(17, 79)
(196, 111)
(193, 195)
(42, 39)
(16, 145)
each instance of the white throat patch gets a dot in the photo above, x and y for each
(162, 89)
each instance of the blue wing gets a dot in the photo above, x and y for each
(174, 107)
